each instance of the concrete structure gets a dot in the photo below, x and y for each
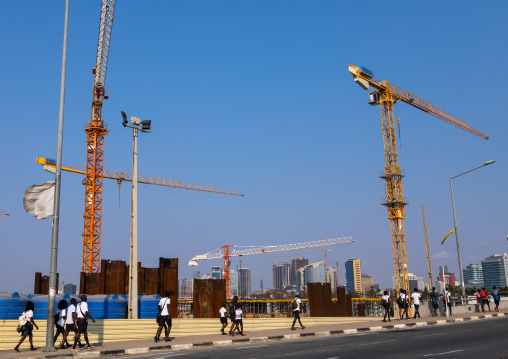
(244, 282)
(495, 271)
(353, 275)
(473, 276)
(216, 272)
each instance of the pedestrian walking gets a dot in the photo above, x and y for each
(447, 301)
(495, 295)
(478, 300)
(232, 313)
(26, 325)
(60, 318)
(434, 300)
(296, 304)
(81, 324)
(70, 324)
(238, 320)
(403, 302)
(415, 297)
(223, 318)
(164, 317)
(485, 299)
(385, 302)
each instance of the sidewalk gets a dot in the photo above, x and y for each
(193, 341)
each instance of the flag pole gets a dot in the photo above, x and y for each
(56, 214)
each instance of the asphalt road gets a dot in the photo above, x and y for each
(477, 339)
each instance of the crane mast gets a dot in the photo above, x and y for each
(95, 131)
(386, 94)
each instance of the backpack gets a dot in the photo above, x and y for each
(294, 304)
(232, 310)
(22, 319)
(57, 317)
(400, 301)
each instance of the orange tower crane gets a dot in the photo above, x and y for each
(95, 131)
(227, 251)
(386, 94)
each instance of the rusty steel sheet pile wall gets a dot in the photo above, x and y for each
(344, 304)
(114, 278)
(209, 294)
(320, 299)
(41, 284)
(168, 281)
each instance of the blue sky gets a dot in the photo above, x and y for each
(255, 96)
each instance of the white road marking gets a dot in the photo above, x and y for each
(453, 351)
(252, 346)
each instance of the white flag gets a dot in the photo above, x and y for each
(39, 199)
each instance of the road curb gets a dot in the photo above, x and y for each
(221, 343)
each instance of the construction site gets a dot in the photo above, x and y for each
(283, 204)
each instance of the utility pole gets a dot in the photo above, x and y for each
(429, 266)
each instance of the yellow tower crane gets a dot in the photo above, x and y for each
(386, 94)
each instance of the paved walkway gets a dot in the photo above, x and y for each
(189, 342)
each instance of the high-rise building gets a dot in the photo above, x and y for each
(473, 276)
(196, 275)
(244, 282)
(185, 290)
(69, 288)
(216, 272)
(233, 279)
(281, 275)
(367, 283)
(300, 279)
(315, 273)
(415, 282)
(353, 275)
(495, 271)
(296, 264)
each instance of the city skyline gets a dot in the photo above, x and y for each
(256, 98)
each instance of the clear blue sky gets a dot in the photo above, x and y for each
(255, 96)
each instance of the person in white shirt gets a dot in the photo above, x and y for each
(27, 327)
(238, 320)
(223, 318)
(385, 302)
(59, 324)
(69, 323)
(81, 323)
(403, 299)
(165, 317)
(447, 301)
(296, 304)
(415, 297)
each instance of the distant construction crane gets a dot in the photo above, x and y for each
(2, 213)
(95, 131)
(386, 94)
(227, 251)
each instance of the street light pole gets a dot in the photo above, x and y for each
(133, 258)
(133, 267)
(455, 224)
